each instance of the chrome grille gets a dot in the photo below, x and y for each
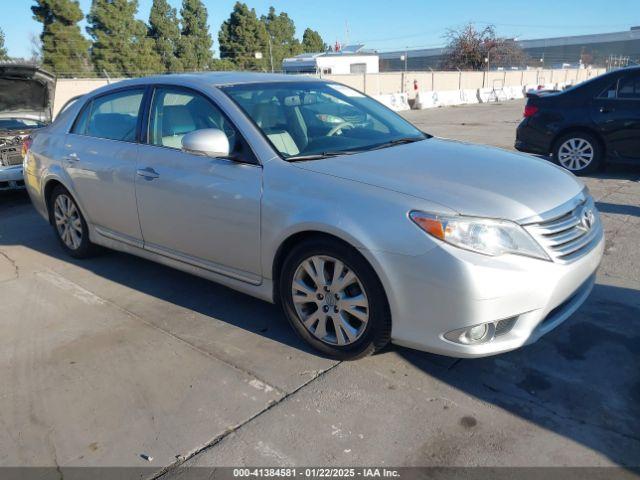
(569, 235)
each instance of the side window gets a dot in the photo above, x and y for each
(610, 91)
(80, 125)
(176, 112)
(113, 116)
(629, 88)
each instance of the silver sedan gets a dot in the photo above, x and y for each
(311, 194)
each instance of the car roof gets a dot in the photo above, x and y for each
(207, 79)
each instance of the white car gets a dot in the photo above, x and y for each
(311, 194)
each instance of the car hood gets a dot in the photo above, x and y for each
(471, 179)
(26, 91)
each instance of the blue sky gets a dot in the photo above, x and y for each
(415, 23)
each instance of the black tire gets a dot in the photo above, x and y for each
(375, 335)
(594, 143)
(85, 248)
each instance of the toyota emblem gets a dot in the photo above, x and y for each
(588, 218)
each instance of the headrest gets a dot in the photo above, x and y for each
(116, 126)
(177, 120)
(267, 115)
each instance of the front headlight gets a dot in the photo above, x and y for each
(481, 235)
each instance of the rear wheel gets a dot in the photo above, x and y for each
(69, 224)
(334, 300)
(578, 152)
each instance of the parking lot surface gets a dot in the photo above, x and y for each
(103, 361)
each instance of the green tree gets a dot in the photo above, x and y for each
(222, 65)
(281, 31)
(312, 42)
(164, 29)
(243, 35)
(195, 44)
(3, 50)
(121, 45)
(64, 50)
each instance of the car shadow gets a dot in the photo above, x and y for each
(615, 208)
(170, 285)
(617, 171)
(580, 381)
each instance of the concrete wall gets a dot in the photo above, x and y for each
(69, 88)
(396, 82)
(403, 82)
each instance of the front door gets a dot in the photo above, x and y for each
(201, 210)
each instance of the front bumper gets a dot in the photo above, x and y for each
(11, 178)
(449, 288)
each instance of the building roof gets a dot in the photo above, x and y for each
(357, 50)
(628, 35)
(206, 79)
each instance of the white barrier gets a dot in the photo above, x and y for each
(395, 101)
(469, 96)
(487, 95)
(446, 98)
(543, 86)
(443, 98)
(425, 99)
(514, 93)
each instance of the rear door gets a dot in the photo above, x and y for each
(100, 158)
(200, 210)
(617, 113)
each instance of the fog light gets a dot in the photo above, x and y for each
(477, 333)
(472, 335)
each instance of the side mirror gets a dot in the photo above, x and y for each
(210, 142)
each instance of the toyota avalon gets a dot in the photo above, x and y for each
(310, 194)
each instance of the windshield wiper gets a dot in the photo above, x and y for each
(318, 156)
(398, 141)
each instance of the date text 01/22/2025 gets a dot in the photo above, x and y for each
(315, 472)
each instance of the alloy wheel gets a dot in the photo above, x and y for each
(576, 154)
(330, 300)
(68, 222)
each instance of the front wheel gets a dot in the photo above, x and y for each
(578, 152)
(334, 300)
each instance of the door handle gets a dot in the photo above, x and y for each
(147, 173)
(606, 110)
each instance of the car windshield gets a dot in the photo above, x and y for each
(19, 124)
(309, 120)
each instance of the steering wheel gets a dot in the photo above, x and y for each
(339, 127)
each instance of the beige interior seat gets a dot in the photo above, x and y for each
(177, 121)
(267, 116)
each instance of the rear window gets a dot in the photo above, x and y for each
(629, 88)
(113, 116)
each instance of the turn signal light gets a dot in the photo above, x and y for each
(26, 145)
